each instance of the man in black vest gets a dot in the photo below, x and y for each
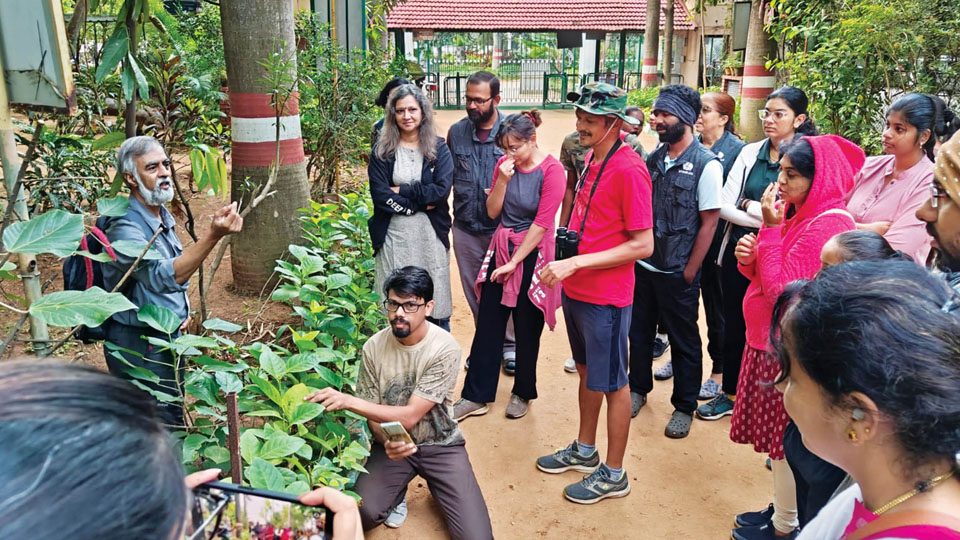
(472, 143)
(687, 180)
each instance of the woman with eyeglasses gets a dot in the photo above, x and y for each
(756, 167)
(527, 189)
(890, 188)
(411, 174)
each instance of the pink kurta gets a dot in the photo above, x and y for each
(870, 201)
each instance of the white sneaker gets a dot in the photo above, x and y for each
(570, 366)
(397, 516)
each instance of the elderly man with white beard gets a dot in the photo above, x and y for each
(163, 281)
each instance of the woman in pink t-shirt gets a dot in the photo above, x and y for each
(890, 188)
(815, 173)
(527, 189)
(869, 354)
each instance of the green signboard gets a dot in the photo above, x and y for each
(35, 54)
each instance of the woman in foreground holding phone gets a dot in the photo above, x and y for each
(84, 456)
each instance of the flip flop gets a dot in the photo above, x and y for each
(679, 425)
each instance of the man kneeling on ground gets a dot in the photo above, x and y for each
(409, 377)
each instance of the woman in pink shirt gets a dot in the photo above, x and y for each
(890, 188)
(815, 173)
(877, 394)
(527, 189)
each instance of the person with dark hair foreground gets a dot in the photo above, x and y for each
(870, 373)
(859, 245)
(815, 173)
(84, 456)
(407, 376)
(525, 195)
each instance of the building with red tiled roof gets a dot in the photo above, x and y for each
(530, 15)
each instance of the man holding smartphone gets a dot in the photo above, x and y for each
(612, 218)
(407, 376)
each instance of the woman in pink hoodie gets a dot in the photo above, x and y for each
(815, 175)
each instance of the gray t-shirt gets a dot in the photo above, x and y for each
(392, 372)
(527, 190)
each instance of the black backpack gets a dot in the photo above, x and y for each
(80, 273)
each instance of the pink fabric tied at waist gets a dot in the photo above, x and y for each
(546, 299)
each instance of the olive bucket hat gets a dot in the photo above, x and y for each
(603, 99)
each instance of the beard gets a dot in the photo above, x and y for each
(672, 133)
(400, 332)
(157, 196)
(941, 258)
(478, 116)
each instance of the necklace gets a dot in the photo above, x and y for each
(922, 487)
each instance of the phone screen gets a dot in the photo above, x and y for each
(221, 515)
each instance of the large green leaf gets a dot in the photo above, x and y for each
(113, 51)
(55, 232)
(294, 396)
(297, 487)
(6, 271)
(305, 412)
(159, 318)
(191, 446)
(263, 475)
(279, 445)
(228, 382)
(115, 206)
(138, 77)
(299, 363)
(133, 249)
(272, 363)
(268, 389)
(337, 281)
(70, 308)
(99, 257)
(108, 141)
(217, 454)
(221, 325)
(249, 445)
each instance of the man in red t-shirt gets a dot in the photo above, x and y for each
(613, 218)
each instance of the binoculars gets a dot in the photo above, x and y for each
(567, 244)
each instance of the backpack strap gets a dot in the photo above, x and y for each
(906, 518)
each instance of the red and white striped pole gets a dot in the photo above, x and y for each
(651, 46)
(254, 131)
(758, 82)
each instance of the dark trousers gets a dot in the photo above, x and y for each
(669, 298)
(712, 293)
(449, 477)
(816, 479)
(150, 357)
(734, 286)
(485, 353)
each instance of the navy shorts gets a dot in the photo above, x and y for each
(598, 338)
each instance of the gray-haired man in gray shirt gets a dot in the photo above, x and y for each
(146, 170)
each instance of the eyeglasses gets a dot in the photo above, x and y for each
(476, 101)
(514, 149)
(408, 307)
(936, 193)
(764, 113)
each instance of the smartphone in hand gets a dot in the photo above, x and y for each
(396, 432)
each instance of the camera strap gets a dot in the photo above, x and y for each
(593, 188)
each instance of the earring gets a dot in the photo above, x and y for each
(852, 435)
(866, 430)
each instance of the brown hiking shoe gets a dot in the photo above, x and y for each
(517, 407)
(464, 408)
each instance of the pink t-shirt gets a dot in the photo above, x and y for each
(861, 516)
(870, 201)
(623, 202)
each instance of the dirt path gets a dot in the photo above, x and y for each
(689, 488)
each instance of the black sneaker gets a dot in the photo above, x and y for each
(660, 346)
(762, 532)
(755, 519)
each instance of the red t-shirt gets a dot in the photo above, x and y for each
(623, 202)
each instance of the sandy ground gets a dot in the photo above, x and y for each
(689, 488)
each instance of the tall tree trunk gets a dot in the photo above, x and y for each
(651, 45)
(668, 42)
(758, 82)
(252, 31)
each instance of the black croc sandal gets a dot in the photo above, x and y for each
(679, 425)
